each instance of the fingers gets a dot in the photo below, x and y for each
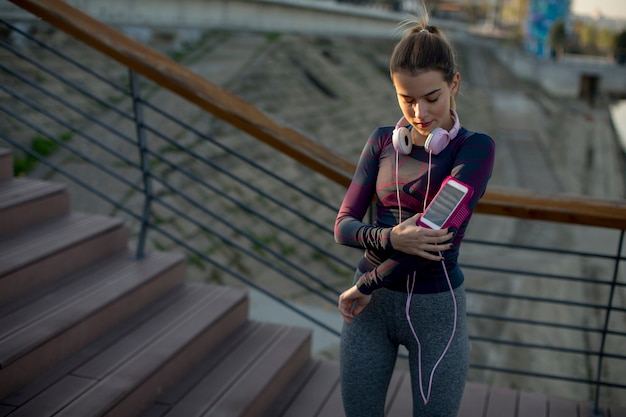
(436, 243)
(439, 236)
(431, 256)
(414, 239)
(351, 303)
(440, 242)
(357, 309)
(439, 247)
(345, 308)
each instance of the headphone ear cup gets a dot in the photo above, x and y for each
(401, 139)
(437, 140)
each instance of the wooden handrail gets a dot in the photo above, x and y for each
(526, 204)
(246, 117)
(189, 85)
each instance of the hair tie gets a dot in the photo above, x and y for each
(424, 30)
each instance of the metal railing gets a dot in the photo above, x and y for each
(146, 169)
(551, 313)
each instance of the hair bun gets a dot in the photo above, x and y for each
(419, 28)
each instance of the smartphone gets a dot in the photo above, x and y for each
(449, 208)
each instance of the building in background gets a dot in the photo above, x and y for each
(513, 14)
(542, 14)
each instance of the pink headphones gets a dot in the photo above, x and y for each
(435, 142)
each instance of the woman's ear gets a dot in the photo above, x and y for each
(455, 84)
(454, 89)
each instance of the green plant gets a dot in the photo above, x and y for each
(42, 146)
(273, 36)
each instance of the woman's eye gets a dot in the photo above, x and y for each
(432, 100)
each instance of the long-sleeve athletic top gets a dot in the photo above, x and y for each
(469, 157)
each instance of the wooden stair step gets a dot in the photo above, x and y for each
(400, 396)
(45, 252)
(242, 377)
(316, 392)
(124, 371)
(25, 202)
(309, 391)
(6, 164)
(39, 333)
(35, 388)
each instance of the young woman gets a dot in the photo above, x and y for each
(408, 287)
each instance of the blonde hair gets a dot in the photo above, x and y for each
(423, 48)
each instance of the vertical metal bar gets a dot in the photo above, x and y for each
(596, 411)
(144, 163)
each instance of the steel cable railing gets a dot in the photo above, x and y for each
(244, 183)
(73, 128)
(148, 156)
(216, 217)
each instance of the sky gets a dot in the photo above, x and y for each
(609, 8)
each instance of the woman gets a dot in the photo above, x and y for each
(408, 287)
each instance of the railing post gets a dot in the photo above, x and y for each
(144, 163)
(595, 408)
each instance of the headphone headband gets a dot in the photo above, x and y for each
(436, 141)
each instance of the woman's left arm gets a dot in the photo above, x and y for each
(473, 164)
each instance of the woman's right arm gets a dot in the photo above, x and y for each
(350, 230)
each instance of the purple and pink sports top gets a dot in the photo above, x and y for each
(468, 157)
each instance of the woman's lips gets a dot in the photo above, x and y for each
(423, 125)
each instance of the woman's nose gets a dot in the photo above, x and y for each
(419, 110)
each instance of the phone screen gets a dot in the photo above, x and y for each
(442, 207)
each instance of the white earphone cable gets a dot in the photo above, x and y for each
(425, 397)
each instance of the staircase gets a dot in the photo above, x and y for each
(87, 330)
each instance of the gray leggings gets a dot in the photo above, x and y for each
(369, 347)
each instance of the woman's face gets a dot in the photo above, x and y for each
(425, 101)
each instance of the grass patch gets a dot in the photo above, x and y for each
(42, 146)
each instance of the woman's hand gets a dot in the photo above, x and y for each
(352, 302)
(412, 239)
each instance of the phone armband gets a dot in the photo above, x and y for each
(450, 207)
